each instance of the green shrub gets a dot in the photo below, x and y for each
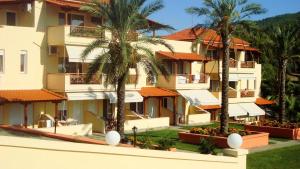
(165, 143)
(145, 142)
(207, 146)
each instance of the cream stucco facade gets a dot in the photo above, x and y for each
(50, 63)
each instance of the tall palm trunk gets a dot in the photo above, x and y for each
(282, 100)
(121, 105)
(225, 83)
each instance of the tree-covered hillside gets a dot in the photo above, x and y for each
(259, 33)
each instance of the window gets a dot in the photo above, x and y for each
(165, 102)
(180, 68)
(232, 55)
(214, 86)
(137, 107)
(11, 19)
(96, 20)
(232, 85)
(1, 61)
(61, 18)
(75, 20)
(23, 61)
(107, 110)
(169, 66)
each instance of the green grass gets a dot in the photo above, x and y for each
(284, 158)
(279, 139)
(172, 134)
(216, 124)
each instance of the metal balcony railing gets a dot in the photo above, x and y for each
(90, 32)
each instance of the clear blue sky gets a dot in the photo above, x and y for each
(174, 12)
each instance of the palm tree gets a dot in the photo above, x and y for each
(123, 18)
(284, 40)
(225, 16)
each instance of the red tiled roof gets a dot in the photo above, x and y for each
(157, 92)
(182, 56)
(29, 96)
(262, 101)
(208, 36)
(210, 107)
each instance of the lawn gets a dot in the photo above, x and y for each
(284, 158)
(217, 124)
(172, 134)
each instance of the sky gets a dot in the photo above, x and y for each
(174, 12)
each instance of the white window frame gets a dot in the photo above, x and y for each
(2, 53)
(11, 11)
(25, 61)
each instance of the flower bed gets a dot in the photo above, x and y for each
(276, 131)
(250, 139)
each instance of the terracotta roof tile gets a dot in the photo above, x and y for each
(261, 101)
(208, 36)
(157, 92)
(210, 107)
(182, 56)
(29, 96)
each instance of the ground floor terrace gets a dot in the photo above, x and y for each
(148, 108)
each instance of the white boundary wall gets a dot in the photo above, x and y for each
(30, 153)
(74, 130)
(199, 118)
(146, 124)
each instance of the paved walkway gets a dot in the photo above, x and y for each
(275, 145)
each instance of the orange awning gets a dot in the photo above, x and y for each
(7, 96)
(182, 56)
(157, 92)
(210, 107)
(261, 101)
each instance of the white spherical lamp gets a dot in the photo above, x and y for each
(234, 141)
(112, 138)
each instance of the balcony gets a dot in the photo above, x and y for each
(232, 93)
(232, 63)
(185, 81)
(74, 82)
(248, 64)
(75, 35)
(247, 93)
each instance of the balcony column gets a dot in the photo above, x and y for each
(204, 71)
(25, 115)
(175, 110)
(159, 106)
(56, 116)
(145, 106)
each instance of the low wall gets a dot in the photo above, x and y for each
(276, 131)
(199, 118)
(145, 124)
(37, 154)
(75, 130)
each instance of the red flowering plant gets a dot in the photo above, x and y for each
(275, 123)
(216, 131)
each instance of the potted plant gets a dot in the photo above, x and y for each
(166, 143)
(207, 146)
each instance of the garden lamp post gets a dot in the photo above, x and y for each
(134, 129)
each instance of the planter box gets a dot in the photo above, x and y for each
(257, 139)
(276, 131)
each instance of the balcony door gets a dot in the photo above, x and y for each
(75, 20)
(72, 19)
(77, 111)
